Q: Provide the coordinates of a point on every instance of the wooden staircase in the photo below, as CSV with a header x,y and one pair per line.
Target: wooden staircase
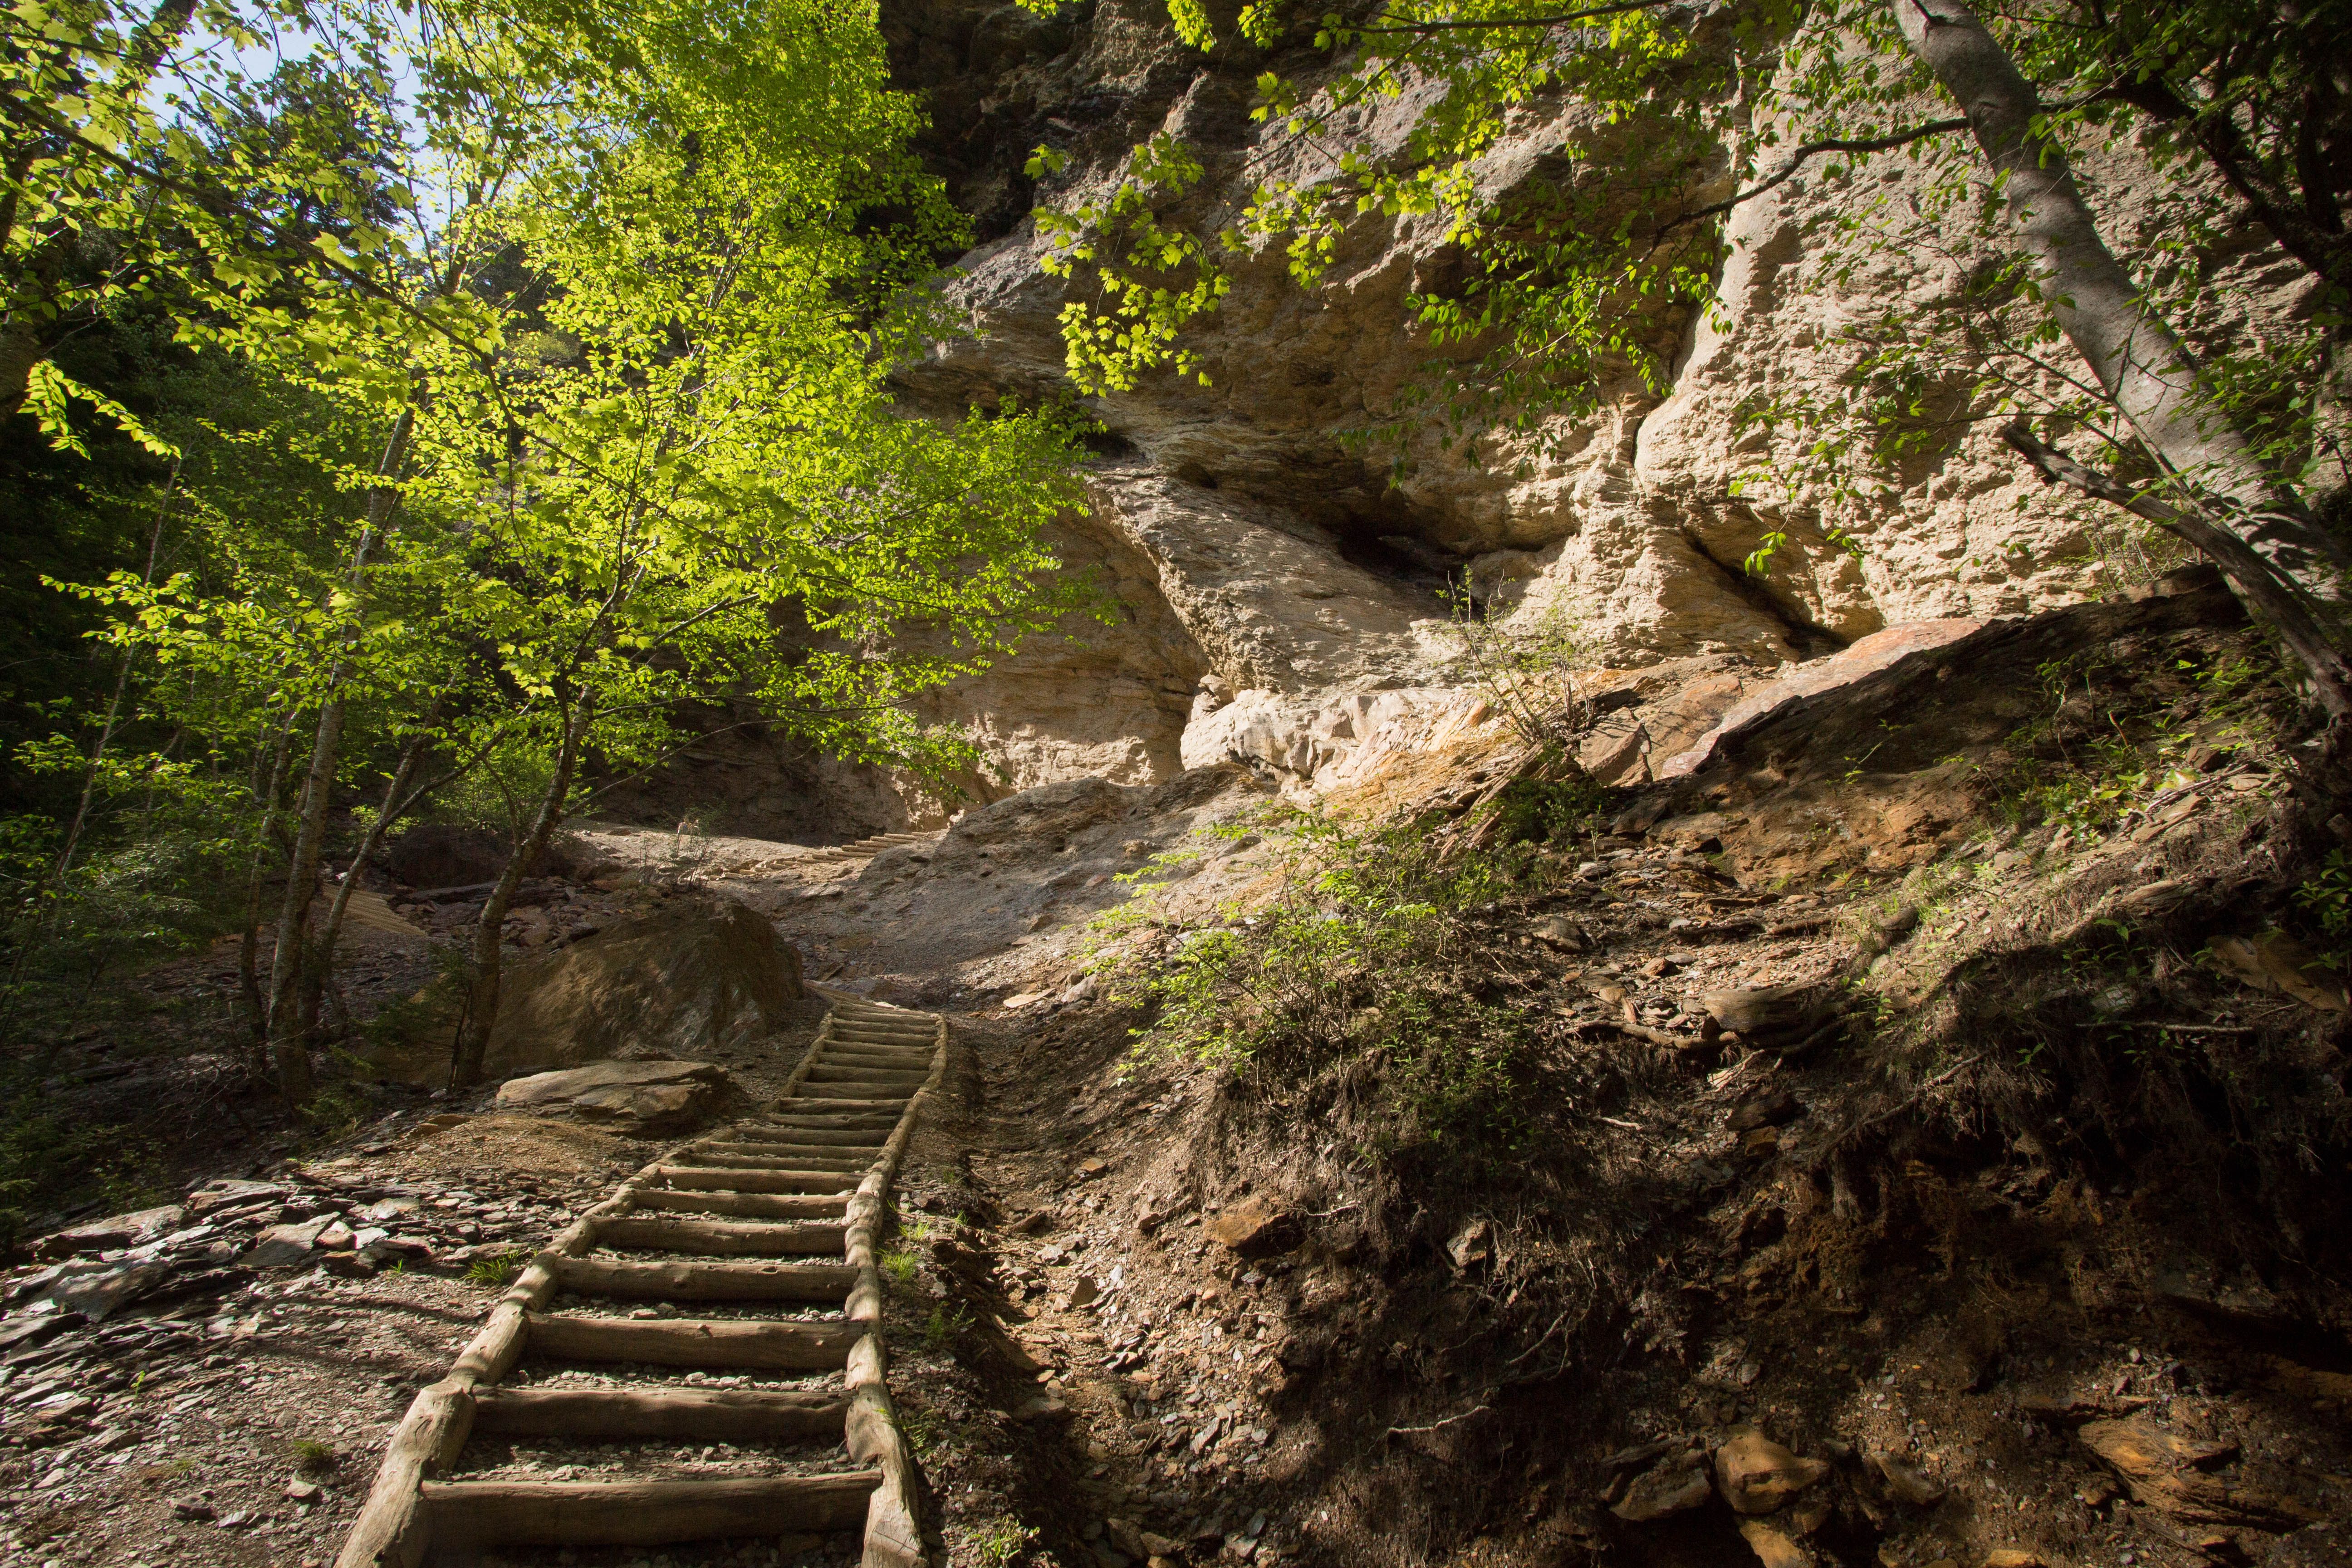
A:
x,y
800,1188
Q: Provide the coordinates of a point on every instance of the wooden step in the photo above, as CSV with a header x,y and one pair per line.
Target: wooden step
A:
x,y
851,1094
692,1342
886,1040
718,1237
718,1178
701,1414
745,1205
762,1157
811,1156
857,1053
867,1073
798,1118
642,1513
753,1131
706,1282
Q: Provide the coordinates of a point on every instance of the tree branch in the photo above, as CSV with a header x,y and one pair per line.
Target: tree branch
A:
x,y
1563,19
1810,151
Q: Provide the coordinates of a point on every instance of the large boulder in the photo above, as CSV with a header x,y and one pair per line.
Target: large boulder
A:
x,y
653,1097
694,977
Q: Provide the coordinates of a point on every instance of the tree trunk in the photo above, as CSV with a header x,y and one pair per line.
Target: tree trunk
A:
x,y
482,1002
290,1047
314,976
269,790
2138,362
121,685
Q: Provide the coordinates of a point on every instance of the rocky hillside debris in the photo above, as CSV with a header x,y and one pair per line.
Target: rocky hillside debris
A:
x,y
692,976
2274,962
241,1229
636,1097
2172,1473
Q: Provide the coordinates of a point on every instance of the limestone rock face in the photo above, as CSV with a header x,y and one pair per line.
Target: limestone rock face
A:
x,y
1270,583
681,980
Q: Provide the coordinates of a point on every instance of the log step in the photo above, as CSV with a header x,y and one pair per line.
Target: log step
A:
x,y
766,1157
706,1282
850,1139
722,1237
718,1178
799,1157
692,1342
745,1205
851,1094
859,1072
642,1513
722,1414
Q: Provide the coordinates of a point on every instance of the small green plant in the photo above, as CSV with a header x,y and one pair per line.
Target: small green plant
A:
x,y
495,1269
945,1325
2326,893
313,1457
335,1112
1519,664
926,1429
899,1267
1002,1542
1364,981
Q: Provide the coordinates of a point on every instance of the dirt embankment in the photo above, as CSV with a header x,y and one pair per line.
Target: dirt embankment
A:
x,y
2032,1256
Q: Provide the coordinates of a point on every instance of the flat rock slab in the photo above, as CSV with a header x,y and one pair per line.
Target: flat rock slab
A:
x,y
652,1096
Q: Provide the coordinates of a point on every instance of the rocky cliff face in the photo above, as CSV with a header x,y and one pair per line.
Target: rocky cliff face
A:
x,y
1273,588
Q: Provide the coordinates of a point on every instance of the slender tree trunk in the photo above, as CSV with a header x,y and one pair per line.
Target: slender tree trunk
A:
x,y
482,1002
2138,360
122,685
314,978
269,765
288,1047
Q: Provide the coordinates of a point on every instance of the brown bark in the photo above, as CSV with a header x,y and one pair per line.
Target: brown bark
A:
x,y
482,1001
290,1047
290,1043
397,800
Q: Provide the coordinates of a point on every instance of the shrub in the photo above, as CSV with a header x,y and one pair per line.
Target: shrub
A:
x,y
1363,987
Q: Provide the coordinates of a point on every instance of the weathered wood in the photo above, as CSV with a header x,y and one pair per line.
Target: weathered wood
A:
x,y
642,1513
839,1138
704,1414
775,1156
723,1238
849,1094
706,1281
391,1531
693,1342
746,1205
873,1124
872,1074
718,1178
